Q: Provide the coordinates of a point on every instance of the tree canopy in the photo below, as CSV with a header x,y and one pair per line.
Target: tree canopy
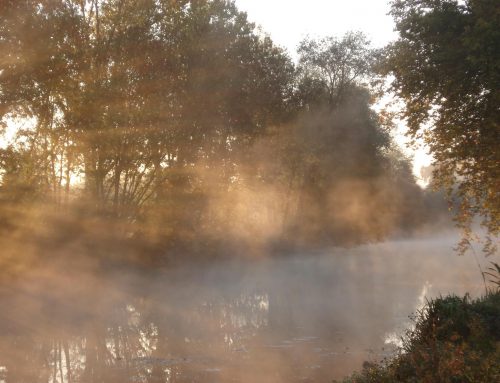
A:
x,y
446,68
179,121
335,65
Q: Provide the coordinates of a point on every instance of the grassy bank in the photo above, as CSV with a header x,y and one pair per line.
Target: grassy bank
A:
x,y
454,340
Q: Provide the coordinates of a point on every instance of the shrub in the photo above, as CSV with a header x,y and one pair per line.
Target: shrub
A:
x,y
454,340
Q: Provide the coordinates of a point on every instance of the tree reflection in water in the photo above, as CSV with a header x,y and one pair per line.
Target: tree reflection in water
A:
x,y
295,318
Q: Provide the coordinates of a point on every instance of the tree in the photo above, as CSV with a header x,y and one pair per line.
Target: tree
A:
x,y
339,164
152,114
127,90
140,109
446,68
331,66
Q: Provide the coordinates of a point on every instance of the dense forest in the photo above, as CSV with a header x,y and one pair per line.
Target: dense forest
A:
x,y
175,126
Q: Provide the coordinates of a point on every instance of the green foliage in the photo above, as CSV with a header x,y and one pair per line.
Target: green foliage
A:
x,y
454,340
446,67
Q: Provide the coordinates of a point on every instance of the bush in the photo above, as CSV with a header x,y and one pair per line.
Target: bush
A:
x,y
454,340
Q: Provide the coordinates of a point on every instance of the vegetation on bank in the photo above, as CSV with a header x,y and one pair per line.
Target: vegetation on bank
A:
x,y
454,340
177,128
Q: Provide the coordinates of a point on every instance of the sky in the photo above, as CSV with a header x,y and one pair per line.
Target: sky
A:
x,y
289,21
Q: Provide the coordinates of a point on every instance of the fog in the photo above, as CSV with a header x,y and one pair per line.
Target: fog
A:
x,y
183,202
307,316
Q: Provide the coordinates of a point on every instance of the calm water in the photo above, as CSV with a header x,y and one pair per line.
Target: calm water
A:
x,y
300,318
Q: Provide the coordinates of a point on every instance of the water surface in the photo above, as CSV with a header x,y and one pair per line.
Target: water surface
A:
x,y
308,317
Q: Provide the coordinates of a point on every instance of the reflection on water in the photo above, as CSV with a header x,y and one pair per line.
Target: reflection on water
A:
x,y
299,318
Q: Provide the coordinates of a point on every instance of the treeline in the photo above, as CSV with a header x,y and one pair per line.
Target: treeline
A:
x,y
176,124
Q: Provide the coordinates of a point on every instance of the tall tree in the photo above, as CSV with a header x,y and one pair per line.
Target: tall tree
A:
x,y
339,163
124,92
331,66
446,68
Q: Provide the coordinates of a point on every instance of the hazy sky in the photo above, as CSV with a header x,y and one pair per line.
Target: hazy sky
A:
x,y
289,21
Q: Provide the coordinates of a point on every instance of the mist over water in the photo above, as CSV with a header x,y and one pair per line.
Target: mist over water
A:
x,y
310,316
183,202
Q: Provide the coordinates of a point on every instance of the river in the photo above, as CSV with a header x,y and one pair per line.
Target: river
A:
x,y
303,317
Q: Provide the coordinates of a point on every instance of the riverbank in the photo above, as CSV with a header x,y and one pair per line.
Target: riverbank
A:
x,y
454,340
